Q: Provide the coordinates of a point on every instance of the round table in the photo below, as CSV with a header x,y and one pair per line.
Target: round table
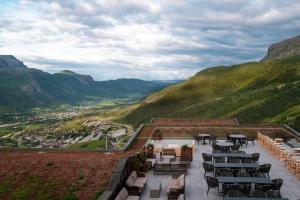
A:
x,y
225,146
238,137
203,136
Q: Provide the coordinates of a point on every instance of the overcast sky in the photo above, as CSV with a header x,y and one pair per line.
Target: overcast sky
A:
x,y
144,39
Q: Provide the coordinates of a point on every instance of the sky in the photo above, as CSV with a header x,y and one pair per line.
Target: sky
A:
x,y
145,39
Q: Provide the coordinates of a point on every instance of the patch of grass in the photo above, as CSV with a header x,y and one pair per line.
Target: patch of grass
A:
x,y
21,194
81,175
5,185
90,144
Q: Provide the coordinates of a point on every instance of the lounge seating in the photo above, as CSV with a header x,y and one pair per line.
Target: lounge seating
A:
x,y
135,184
170,168
124,195
180,197
176,187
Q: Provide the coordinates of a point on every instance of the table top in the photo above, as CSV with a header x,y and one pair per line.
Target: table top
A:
x,y
235,165
226,179
203,135
240,155
224,144
258,180
237,136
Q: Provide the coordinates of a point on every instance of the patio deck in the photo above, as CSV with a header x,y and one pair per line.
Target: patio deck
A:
x,y
196,187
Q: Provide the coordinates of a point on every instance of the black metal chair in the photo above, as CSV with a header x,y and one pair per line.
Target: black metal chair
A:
x,y
250,139
233,160
212,139
234,193
263,187
245,188
236,148
277,183
226,173
212,183
265,168
255,156
242,141
207,157
259,174
273,194
219,159
208,167
248,160
258,194
243,174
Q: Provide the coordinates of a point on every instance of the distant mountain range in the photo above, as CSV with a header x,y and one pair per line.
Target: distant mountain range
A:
x,y
24,88
256,92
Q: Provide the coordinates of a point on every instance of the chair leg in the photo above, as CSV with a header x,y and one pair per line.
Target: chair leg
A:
x,y
207,191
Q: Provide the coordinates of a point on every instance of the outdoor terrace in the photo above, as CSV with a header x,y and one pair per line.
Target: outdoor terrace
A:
x,y
196,186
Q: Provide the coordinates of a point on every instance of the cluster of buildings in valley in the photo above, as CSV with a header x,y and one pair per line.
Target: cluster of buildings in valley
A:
x,y
56,137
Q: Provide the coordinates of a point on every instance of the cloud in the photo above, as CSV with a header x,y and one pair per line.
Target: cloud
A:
x,y
147,39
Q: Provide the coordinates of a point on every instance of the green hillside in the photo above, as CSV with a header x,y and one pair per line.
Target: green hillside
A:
x,y
25,88
253,92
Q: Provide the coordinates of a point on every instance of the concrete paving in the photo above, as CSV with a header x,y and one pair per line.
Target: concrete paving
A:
x,y
196,186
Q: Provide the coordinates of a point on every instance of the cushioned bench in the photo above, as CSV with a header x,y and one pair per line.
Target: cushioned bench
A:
x,y
135,183
124,195
175,188
169,168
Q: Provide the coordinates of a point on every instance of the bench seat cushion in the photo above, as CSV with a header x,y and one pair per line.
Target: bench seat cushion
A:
x,y
140,182
180,197
131,197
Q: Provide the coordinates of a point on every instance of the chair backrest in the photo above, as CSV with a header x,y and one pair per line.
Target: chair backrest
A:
x,y
258,174
255,156
226,173
219,160
258,193
265,168
277,183
233,160
236,147
208,167
248,160
206,157
243,174
234,193
212,182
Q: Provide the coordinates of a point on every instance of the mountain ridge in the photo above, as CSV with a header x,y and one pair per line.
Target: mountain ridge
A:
x,y
23,87
283,49
10,62
253,92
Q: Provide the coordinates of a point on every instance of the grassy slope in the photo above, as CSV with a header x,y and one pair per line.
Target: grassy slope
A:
x,y
252,92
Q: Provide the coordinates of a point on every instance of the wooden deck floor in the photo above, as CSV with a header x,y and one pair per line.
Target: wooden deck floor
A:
x,y
196,186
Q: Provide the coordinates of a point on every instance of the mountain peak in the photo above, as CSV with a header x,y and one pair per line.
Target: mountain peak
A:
x,y
68,72
10,62
283,49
